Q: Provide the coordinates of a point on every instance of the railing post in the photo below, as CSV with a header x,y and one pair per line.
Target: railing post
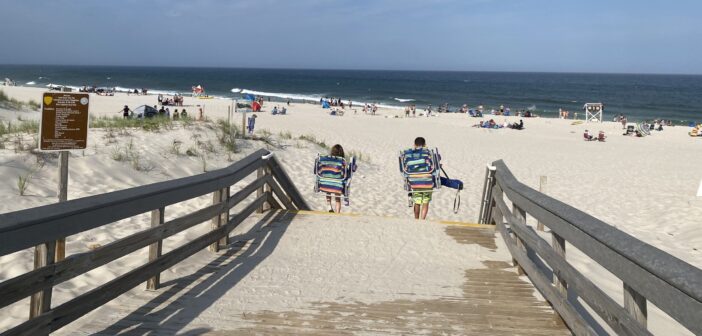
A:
x,y
40,302
635,304
521,217
261,172
498,217
216,220
226,193
542,189
558,245
487,203
267,188
155,249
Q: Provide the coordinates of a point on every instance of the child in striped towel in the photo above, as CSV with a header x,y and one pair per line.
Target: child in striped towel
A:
x,y
332,175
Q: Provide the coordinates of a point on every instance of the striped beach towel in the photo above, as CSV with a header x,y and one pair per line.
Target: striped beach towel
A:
x,y
331,172
419,168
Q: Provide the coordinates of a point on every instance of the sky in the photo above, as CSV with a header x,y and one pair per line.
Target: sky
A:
x,y
620,36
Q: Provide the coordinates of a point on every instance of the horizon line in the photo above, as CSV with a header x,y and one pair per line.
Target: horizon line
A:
x,y
348,69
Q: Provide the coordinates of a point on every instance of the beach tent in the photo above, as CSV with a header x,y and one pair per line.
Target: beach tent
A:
x,y
249,97
325,104
145,111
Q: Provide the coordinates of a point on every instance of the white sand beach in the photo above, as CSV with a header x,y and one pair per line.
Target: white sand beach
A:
x,y
646,187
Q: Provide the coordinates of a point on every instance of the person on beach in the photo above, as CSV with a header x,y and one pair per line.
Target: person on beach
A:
x,y
175,114
251,123
125,112
336,150
421,199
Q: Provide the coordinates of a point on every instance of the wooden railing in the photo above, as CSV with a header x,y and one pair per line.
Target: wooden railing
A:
x,y
647,273
41,227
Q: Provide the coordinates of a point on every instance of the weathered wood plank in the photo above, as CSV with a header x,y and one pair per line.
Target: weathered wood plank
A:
x,y
284,180
281,195
26,228
559,247
520,215
635,304
217,219
155,249
62,197
260,172
79,306
24,285
226,195
40,302
614,314
570,316
668,282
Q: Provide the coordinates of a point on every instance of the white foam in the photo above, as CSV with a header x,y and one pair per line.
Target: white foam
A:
x,y
32,83
148,91
280,95
402,100
313,97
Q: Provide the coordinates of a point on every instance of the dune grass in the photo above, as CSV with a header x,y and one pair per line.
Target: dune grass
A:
x,y
14,104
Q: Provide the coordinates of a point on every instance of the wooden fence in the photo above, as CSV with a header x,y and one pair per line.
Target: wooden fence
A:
x,y
647,273
41,227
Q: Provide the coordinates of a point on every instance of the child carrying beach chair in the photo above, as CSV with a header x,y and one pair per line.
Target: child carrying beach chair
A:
x,y
421,171
333,176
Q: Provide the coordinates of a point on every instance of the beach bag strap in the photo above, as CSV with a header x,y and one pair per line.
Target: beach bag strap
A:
x,y
457,202
457,198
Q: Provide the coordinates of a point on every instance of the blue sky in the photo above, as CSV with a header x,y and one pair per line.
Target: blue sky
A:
x,y
647,36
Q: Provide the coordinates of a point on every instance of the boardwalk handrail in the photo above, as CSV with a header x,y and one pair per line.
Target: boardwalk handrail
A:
x,y
42,226
647,273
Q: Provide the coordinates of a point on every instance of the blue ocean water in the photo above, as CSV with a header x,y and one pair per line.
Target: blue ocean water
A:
x,y
640,97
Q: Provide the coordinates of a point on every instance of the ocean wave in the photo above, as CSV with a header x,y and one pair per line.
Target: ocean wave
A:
x,y
148,91
31,83
308,97
279,94
401,100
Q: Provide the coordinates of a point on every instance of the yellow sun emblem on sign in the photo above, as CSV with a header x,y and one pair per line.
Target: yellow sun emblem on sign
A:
x,y
48,100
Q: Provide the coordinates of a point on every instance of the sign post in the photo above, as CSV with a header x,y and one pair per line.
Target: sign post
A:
x,y
64,126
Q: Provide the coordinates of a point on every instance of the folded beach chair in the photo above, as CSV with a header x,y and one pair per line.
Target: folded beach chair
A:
x,y
333,175
421,171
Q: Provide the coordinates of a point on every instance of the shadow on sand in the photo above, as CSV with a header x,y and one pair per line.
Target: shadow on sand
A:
x,y
179,303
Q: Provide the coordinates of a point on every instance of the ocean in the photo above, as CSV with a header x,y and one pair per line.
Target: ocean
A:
x,y
639,97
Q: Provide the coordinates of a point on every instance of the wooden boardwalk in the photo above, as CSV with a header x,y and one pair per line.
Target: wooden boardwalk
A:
x,y
228,293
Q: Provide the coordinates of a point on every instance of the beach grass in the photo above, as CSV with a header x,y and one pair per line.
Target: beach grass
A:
x,y
129,154
359,155
19,126
14,104
227,135
119,123
312,139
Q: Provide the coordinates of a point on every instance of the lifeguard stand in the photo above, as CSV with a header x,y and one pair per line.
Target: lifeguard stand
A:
x,y
593,112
